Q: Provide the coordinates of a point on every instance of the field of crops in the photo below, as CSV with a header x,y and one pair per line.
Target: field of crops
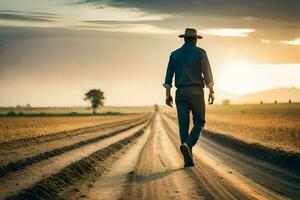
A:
x,y
14,128
79,110
271,125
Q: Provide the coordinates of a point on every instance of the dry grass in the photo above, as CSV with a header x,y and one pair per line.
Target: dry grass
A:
x,y
14,128
275,126
281,132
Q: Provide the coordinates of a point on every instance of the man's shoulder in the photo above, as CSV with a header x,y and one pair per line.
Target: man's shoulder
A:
x,y
201,50
176,51
180,51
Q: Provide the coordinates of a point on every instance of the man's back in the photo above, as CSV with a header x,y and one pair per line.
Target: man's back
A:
x,y
187,65
190,66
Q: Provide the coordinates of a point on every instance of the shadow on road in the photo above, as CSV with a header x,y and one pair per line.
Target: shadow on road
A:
x,y
155,176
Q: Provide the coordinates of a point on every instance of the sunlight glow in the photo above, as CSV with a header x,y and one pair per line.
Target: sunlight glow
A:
x,y
229,32
244,77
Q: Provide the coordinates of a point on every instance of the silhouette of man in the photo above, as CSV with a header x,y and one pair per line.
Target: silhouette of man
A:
x,y
192,72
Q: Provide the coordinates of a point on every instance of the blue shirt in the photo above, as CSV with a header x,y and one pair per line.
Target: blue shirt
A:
x,y
191,66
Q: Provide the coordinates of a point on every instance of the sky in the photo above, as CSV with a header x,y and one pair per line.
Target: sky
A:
x,y
52,52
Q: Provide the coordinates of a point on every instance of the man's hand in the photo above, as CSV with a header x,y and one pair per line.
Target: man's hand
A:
x,y
211,97
169,100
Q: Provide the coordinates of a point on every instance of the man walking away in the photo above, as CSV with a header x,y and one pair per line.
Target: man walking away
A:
x,y
192,72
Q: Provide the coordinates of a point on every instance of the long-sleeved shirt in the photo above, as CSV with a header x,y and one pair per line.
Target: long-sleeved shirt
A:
x,y
191,66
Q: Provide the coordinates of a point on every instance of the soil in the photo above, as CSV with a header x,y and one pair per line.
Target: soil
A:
x,y
143,161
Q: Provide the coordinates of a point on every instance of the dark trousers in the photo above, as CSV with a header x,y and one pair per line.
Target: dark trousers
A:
x,y
190,99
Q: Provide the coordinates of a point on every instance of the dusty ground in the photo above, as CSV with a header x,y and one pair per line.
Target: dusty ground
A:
x,y
140,160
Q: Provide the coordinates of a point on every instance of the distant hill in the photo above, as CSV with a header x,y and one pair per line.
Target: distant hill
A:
x,y
222,95
269,96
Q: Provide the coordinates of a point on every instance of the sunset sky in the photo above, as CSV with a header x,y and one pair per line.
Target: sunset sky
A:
x,y
52,52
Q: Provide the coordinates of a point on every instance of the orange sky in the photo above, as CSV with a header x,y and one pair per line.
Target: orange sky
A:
x,y
51,53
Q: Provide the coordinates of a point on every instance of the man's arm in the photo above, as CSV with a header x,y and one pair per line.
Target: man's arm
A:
x,y
168,82
208,77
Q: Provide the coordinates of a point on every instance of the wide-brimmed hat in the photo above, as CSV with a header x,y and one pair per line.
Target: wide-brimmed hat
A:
x,y
190,32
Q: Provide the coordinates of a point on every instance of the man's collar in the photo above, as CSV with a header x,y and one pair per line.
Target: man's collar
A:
x,y
187,44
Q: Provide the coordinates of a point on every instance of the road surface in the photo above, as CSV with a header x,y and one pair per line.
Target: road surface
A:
x,y
138,159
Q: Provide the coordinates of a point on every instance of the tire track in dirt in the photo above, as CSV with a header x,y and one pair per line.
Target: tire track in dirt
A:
x,y
159,173
55,148
28,142
263,180
207,179
111,183
223,180
53,172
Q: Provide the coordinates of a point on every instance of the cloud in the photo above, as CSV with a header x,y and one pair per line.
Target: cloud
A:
x,y
268,18
6,16
291,42
275,9
86,17
229,32
126,26
42,14
10,15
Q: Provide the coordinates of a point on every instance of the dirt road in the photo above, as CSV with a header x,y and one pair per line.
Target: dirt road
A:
x,y
140,160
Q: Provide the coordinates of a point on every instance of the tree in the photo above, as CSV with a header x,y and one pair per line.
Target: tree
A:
x,y
96,97
226,102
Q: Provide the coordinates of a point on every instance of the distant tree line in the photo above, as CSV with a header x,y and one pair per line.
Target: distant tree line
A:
x,y
276,102
228,102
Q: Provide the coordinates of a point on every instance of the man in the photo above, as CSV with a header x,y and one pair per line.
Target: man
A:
x,y
192,73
